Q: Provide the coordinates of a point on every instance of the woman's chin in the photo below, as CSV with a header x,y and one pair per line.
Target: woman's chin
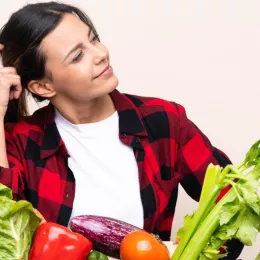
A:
x,y
105,88
110,85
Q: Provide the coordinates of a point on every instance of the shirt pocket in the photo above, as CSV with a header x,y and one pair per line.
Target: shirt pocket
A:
x,y
168,182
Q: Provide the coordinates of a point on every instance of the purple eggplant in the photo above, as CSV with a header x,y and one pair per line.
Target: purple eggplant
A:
x,y
105,233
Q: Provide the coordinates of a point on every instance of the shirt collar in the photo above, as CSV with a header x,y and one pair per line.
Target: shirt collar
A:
x,y
130,122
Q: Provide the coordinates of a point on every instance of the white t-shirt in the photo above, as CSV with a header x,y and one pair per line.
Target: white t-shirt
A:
x,y
105,170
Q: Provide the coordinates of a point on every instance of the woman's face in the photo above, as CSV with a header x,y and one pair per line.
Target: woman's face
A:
x,y
79,64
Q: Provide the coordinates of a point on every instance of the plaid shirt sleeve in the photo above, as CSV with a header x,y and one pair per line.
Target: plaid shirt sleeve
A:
x,y
13,177
195,153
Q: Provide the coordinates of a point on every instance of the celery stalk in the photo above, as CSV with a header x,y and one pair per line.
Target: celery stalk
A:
x,y
209,225
200,239
196,220
241,201
210,180
209,195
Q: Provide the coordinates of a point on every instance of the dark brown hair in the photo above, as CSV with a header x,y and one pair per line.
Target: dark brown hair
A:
x,y
22,36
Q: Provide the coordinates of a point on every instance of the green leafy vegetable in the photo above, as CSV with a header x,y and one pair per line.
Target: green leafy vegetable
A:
x,y
17,225
236,215
181,231
5,192
95,255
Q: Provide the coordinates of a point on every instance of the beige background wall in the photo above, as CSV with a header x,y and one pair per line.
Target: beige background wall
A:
x,y
204,54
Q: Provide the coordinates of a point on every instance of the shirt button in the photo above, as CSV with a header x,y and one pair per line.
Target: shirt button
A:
x,y
137,140
67,195
123,135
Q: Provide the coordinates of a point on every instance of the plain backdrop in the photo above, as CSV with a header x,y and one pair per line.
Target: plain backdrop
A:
x,y
203,54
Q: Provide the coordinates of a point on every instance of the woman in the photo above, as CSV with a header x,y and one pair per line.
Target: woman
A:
x,y
92,150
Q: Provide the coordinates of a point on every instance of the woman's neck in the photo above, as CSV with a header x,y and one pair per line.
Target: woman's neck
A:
x,y
89,112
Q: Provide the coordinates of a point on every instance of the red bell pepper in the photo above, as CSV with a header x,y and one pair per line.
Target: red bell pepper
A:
x,y
55,242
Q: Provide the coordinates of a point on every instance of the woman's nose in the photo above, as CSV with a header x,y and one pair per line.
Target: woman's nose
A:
x,y
100,54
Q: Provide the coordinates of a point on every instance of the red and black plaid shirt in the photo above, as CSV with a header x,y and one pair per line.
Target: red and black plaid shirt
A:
x,y
168,147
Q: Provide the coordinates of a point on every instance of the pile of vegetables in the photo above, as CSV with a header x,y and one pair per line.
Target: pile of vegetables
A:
x,y
236,215
119,239
25,236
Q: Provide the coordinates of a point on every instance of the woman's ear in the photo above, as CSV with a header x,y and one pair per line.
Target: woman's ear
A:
x,y
41,88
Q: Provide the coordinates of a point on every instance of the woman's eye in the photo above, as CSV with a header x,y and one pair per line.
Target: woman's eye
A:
x,y
95,38
78,57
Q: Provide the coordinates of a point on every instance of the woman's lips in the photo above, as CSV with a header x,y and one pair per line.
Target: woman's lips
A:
x,y
106,72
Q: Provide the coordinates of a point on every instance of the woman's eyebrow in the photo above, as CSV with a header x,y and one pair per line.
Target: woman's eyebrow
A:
x,y
78,46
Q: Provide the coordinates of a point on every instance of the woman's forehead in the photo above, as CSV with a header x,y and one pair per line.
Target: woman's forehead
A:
x,y
70,31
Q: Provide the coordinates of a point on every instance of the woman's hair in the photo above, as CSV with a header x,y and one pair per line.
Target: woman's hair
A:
x,y
22,36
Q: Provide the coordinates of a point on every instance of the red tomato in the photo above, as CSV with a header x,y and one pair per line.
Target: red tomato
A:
x,y
140,245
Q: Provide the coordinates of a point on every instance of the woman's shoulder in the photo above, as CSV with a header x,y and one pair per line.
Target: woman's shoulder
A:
x,y
156,103
28,123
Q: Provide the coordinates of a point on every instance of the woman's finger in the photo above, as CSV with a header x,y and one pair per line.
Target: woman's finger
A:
x,y
17,91
11,95
8,70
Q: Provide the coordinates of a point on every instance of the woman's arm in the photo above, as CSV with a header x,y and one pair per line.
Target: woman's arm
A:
x,y
195,153
11,166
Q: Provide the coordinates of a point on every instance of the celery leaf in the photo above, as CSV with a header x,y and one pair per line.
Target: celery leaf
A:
x,y
181,231
244,227
228,212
